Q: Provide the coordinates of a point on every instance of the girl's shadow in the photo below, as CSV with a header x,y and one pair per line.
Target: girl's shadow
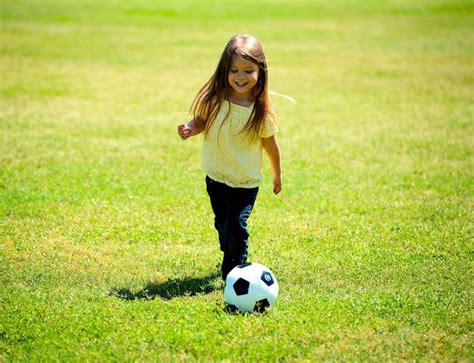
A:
x,y
170,289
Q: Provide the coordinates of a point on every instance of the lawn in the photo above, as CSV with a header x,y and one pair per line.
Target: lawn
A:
x,y
107,248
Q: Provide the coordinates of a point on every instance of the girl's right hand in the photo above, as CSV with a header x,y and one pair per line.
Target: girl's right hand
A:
x,y
184,131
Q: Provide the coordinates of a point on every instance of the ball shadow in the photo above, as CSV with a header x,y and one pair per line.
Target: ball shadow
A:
x,y
170,289
233,310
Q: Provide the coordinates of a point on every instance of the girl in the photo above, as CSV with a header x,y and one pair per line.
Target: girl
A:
x,y
234,113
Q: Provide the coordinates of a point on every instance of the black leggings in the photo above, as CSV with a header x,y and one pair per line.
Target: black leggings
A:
x,y
232,208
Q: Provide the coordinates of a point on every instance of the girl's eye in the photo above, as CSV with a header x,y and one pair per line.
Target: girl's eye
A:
x,y
236,71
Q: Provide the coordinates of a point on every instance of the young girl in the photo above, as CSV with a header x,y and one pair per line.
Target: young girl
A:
x,y
234,113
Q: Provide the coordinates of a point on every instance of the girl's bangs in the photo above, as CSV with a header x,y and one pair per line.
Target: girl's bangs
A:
x,y
246,53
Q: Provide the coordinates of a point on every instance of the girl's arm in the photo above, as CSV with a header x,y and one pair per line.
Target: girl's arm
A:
x,y
272,149
191,129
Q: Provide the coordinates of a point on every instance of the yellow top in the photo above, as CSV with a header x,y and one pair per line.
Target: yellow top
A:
x,y
231,157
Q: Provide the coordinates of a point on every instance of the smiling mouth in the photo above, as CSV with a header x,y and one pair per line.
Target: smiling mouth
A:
x,y
241,84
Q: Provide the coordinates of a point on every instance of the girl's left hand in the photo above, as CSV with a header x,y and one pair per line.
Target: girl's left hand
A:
x,y
276,185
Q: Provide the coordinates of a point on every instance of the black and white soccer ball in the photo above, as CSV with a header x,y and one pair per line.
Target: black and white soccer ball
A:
x,y
251,287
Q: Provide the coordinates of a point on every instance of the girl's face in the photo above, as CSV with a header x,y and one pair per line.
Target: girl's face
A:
x,y
242,77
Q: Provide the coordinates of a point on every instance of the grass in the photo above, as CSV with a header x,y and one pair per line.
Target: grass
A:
x,y
107,246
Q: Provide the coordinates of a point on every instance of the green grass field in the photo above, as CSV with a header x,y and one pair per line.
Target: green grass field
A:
x,y
108,251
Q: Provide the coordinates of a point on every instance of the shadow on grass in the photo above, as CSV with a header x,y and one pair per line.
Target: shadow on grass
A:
x,y
169,289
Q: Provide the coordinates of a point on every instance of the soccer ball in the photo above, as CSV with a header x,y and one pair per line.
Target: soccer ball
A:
x,y
251,287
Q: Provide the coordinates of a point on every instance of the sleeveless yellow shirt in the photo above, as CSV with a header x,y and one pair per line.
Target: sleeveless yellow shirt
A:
x,y
228,155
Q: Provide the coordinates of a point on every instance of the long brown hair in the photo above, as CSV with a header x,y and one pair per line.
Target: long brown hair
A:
x,y
208,101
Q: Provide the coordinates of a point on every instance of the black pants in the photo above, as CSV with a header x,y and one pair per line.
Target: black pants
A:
x,y
232,208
